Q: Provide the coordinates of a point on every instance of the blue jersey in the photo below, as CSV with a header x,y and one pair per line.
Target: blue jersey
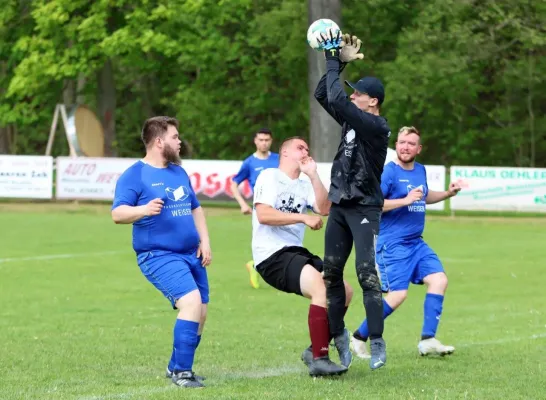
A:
x,y
252,166
174,228
408,222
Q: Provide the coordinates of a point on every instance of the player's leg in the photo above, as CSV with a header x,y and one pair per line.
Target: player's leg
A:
x,y
307,355
431,272
254,276
395,269
337,248
292,270
172,276
364,224
312,286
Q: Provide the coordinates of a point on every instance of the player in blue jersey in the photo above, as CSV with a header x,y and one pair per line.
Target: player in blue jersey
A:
x,y
170,238
252,166
403,257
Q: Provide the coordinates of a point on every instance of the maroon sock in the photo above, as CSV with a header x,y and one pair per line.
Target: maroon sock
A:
x,y
319,330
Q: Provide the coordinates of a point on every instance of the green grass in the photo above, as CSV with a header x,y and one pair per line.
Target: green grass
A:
x,y
91,327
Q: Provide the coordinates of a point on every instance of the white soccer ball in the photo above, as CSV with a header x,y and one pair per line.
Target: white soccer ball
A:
x,y
322,25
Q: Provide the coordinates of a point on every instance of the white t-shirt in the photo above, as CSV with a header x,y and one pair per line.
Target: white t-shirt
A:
x,y
274,188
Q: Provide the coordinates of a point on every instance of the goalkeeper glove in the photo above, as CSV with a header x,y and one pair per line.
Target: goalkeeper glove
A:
x,y
350,47
331,43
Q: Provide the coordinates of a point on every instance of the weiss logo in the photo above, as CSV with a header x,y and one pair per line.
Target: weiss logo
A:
x,y
179,194
157,184
349,142
417,206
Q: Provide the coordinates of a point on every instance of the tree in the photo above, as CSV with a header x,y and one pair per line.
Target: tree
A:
x,y
324,130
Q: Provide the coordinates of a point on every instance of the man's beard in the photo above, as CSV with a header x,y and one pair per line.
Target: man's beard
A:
x,y
171,155
406,160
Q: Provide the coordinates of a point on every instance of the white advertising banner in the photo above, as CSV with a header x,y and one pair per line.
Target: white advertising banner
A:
x,y
26,177
95,178
436,180
88,178
500,189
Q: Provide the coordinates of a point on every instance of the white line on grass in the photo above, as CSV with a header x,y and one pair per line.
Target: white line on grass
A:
x,y
273,372
56,256
256,374
505,340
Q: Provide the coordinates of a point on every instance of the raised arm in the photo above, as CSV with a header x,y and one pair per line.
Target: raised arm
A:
x,y
322,97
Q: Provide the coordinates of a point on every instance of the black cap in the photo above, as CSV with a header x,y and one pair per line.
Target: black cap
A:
x,y
371,86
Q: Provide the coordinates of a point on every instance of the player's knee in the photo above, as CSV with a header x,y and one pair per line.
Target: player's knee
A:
x,y
190,304
312,285
438,282
367,277
333,274
348,293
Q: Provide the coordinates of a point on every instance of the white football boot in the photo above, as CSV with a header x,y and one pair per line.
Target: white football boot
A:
x,y
360,348
433,346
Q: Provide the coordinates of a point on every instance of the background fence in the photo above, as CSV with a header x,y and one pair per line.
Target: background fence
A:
x,y
67,178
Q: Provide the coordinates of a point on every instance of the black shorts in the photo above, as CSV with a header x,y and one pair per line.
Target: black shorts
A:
x,y
282,269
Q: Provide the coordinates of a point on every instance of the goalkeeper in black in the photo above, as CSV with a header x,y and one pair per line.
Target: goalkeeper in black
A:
x,y
355,191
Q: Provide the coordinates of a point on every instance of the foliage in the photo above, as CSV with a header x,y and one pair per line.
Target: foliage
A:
x,y
470,74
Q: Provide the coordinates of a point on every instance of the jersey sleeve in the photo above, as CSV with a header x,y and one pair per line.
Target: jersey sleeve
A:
x,y
265,190
243,174
386,182
127,189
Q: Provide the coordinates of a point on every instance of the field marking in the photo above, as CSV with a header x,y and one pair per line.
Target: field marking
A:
x,y
58,256
273,372
505,340
255,374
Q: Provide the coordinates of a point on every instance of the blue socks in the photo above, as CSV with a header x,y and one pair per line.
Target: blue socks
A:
x,y
185,343
433,311
172,362
363,329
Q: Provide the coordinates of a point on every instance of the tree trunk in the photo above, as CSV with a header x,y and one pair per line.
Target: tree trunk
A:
x,y
106,101
5,140
325,132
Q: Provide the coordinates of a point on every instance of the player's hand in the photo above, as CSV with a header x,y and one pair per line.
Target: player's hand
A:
x,y
350,48
331,43
204,253
414,195
453,189
308,166
153,207
313,221
245,209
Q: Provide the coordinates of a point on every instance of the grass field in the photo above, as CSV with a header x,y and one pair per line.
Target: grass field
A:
x,y
78,321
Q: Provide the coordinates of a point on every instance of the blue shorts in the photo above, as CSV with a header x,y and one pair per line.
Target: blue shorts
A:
x,y
174,274
406,262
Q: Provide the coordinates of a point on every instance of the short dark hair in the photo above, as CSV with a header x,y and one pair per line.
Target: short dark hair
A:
x,y
287,141
264,131
155,127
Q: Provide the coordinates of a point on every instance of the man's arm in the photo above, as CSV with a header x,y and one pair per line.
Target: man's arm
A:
x,y
128,214
126,194
201,224
239,197
268,215
436,197
362,122
322,97
241,176
322,204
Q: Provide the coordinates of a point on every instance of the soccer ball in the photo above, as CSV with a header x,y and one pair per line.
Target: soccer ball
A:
x,y
322,25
